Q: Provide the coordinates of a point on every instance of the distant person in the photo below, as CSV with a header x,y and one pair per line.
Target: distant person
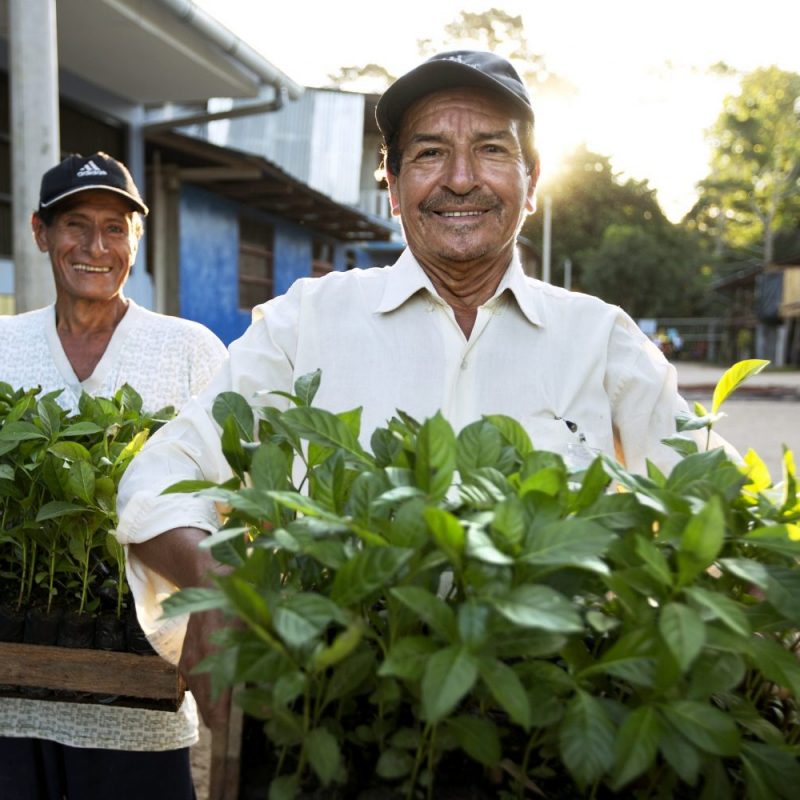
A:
x,y
454,325
93,339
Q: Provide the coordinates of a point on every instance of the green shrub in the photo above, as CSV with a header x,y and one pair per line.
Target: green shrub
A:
x,y
452,599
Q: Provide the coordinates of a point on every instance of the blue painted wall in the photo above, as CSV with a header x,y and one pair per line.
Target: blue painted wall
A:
x,y
209,256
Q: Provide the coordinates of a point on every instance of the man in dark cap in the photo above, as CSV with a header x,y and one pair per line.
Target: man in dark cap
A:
x,y
94,339
454,326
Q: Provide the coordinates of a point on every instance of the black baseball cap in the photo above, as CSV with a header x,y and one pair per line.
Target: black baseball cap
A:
x,y
77,173
449,71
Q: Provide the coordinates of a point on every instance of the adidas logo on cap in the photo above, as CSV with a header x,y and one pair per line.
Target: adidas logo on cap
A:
x,y
89,169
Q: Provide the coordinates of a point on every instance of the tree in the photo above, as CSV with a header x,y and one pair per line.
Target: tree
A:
x,y
504,34
370,78
651,271
587,196
753,189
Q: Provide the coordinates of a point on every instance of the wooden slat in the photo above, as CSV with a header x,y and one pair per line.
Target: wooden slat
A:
x,y
96,671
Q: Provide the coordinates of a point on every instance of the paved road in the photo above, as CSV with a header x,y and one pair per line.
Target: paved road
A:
x,y
764,414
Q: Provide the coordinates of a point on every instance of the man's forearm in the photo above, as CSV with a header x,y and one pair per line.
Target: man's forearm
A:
x,y
177,556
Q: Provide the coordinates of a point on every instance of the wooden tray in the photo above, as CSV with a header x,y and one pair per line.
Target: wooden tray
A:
x,y
97,675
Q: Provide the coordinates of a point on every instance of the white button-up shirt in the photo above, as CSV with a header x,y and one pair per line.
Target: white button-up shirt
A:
x,y
385,340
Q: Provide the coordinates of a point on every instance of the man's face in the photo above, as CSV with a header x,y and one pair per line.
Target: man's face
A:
x,y
92,245
463,186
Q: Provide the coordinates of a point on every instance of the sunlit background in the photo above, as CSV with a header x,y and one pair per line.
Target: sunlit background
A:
x,y
637,81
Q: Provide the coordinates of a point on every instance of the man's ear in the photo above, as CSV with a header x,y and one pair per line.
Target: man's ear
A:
x,y
39,230
394,196
530,196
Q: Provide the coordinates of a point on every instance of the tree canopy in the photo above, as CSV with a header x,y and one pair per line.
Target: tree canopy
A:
x,y
752,193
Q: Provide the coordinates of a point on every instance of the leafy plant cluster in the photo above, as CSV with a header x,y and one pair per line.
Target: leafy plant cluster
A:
x,y
463,606
59,474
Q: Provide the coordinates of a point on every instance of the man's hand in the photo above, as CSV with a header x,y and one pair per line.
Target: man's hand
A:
x,y
196,646
176,555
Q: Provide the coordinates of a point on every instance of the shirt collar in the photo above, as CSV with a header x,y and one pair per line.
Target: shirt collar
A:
x,y
407,277
404,279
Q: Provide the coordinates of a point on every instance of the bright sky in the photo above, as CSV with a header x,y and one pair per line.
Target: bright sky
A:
x,y
643,95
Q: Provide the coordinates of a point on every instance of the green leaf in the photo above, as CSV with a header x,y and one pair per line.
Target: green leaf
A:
x,y
80,481
512,432
655,561
188,601
13,432
539,607
284,787
232,447
367,572
436,457
770,772
447,533
70,451
82,428
481,548
58,508
683,632
326,429
720,607
432,610
747,570
568,543
586,739
298,618
323,754
249,604
230,405
479,445
507,689
449,675
636,745
733,377
306,386
777,663
341,647
407,658
393,764
701,541
349,675
270,467
477,737
708,728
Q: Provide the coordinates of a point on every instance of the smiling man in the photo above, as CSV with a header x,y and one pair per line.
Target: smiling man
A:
x,y
454,326
94,339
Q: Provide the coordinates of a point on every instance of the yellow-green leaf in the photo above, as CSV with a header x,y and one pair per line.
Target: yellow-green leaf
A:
x,y
734,376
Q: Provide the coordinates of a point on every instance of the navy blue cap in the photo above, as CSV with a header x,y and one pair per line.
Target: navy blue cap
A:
x,y
77,173
449,71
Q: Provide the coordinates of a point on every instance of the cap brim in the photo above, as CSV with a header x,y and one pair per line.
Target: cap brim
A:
x,y
137,204
432,76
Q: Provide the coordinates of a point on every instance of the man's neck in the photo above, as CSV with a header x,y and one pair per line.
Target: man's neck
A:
x,y
465,286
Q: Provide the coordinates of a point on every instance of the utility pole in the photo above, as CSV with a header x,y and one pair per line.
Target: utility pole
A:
x,y
546,225
34,138
568,273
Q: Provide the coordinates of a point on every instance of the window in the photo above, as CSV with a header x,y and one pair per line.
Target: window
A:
x,y
321,258
256,241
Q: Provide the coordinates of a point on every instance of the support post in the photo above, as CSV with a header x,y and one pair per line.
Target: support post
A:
x,y
547,223
34,136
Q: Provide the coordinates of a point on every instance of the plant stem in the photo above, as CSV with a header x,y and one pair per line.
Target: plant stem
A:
x,y
431,751
417,762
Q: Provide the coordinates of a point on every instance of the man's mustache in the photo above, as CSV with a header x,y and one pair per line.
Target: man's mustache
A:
x,y
449,201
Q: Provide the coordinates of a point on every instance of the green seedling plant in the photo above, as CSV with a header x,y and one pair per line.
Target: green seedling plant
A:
x,y
59,474
446,607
